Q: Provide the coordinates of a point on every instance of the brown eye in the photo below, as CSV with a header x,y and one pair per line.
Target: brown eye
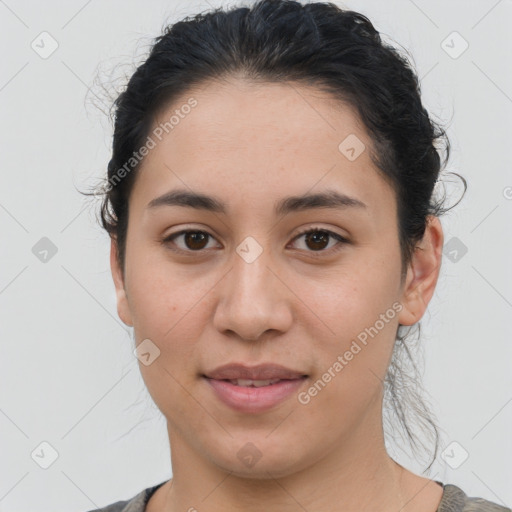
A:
x,y
317,240
192,240
195,239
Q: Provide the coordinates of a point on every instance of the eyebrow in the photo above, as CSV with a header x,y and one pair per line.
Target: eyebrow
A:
x,y
327,199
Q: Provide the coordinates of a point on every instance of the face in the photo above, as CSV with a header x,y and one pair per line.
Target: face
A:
x,y
234,279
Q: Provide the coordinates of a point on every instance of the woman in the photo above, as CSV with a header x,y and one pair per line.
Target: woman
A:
x,y
271,207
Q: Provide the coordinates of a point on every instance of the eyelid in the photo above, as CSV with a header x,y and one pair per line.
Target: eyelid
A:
x,y
169,238
313,229
342,240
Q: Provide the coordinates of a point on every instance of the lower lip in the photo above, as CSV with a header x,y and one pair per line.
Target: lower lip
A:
x,y
252,399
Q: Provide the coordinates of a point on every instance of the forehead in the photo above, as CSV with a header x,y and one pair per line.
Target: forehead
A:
x,y
237,113
252,143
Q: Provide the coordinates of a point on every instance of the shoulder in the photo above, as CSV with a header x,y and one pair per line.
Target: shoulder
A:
x,y
135,504
456,500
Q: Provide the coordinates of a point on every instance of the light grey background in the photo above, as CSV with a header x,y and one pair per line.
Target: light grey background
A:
x,y
68,374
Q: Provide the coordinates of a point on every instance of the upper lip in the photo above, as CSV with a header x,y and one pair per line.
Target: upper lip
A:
x,y
265,371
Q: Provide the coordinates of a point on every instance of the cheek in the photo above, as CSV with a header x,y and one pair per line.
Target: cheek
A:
x,y
171,309
346,302
359,317
159,296
172,316
352,364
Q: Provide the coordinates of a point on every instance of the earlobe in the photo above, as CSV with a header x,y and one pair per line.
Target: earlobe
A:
x,y
422,273
123,309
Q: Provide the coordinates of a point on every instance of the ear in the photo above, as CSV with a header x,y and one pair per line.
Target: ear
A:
x,y
422,273
123,308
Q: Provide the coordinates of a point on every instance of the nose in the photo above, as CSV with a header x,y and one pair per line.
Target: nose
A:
x,y
253,299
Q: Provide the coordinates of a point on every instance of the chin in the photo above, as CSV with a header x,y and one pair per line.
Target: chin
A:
x,y
259,459
260,471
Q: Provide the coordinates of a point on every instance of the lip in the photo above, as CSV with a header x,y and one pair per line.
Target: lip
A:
x,y
253,400
264,371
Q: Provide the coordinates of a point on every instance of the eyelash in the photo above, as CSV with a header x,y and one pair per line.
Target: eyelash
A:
x,y
339,246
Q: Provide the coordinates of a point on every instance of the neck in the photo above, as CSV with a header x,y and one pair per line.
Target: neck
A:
x,y
357,475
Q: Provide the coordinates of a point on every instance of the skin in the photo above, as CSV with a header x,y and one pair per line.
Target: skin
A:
x,y
250,145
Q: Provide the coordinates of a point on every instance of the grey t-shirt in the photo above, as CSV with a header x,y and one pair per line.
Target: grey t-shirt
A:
x,y
454,499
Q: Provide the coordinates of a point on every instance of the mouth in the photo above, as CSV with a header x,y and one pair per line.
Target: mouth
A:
x,y
262,374
251,383
254,396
